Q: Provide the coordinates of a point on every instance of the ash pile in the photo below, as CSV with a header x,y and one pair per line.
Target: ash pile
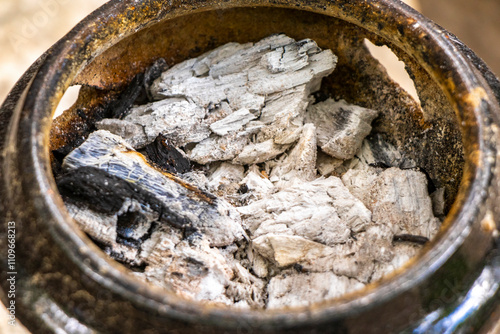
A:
x,y
235,185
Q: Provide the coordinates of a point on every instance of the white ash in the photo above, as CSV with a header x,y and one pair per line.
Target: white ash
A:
x,y
226,178
300,163
290,289
257,184
197,271
260,152
237,102
177,119
327,165
233,122
402,254
306,209
194,270
102,228
285,250
96,225
374,152
397,198
341,126
217,148
283,115
131,132
322,210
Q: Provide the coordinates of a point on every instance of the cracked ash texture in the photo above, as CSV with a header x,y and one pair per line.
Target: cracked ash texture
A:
x,y
286,203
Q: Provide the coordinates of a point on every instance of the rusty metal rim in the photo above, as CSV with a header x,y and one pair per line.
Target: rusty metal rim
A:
x,y
93,35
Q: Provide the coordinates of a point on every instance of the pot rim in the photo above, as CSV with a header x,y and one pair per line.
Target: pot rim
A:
x,y
422,39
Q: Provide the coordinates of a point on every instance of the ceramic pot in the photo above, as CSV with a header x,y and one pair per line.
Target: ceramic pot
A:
x,y
64,282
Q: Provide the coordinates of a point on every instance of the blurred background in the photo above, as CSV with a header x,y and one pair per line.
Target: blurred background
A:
x,y
29,27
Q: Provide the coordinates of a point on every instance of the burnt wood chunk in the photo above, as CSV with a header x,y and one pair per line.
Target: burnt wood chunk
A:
x,y
137,90
418,239
166,156
106,193
131,177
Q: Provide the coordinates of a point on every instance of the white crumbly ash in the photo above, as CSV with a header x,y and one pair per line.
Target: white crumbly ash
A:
x,y
341,127
244,103
303,210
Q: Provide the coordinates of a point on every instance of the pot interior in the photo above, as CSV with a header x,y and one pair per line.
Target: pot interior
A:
x,y
426,132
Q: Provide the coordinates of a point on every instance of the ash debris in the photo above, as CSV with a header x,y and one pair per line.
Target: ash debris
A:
x,y
234,187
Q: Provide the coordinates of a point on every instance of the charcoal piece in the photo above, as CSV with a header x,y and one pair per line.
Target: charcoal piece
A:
x,y
166,156
71,130
106,193
418,239
138,86
386,155
126,99
133,227
128,222
181,202
152,73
